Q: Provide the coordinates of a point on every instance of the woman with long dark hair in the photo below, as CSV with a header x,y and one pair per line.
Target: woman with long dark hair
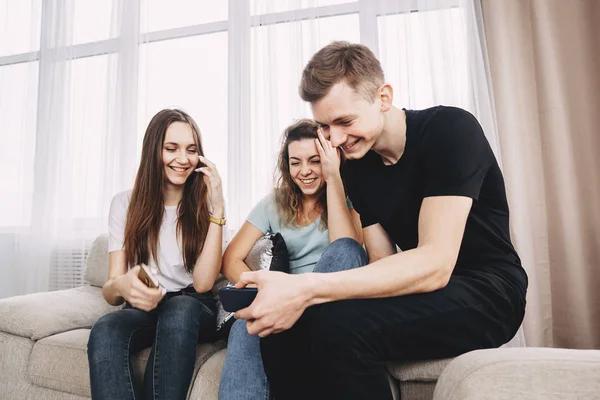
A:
x,y
170,226
309,209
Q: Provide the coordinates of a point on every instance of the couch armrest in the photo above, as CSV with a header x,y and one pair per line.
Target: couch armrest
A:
x,y
521,373
40,315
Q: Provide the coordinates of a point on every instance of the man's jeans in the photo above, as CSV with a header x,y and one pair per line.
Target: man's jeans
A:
x,y
243,376
181,320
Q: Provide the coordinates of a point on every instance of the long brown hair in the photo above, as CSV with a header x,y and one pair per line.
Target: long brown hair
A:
x,y
146,207
288,196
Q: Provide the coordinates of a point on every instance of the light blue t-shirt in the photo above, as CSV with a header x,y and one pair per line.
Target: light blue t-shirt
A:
x,y
305,244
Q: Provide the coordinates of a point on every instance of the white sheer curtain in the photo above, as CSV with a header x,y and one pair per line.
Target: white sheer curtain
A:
x,y
274,40
74,152
431,51
73,140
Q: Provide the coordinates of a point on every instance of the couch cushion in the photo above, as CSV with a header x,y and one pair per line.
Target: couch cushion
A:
x,y
206,384
425,371
60,361
521,373
14,357
269,252
96,264
39,315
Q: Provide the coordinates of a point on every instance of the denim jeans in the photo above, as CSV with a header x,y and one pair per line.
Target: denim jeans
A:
x,y
243,376
180,321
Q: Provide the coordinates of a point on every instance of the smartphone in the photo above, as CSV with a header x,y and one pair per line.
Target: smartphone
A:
x,y
234,299
145,276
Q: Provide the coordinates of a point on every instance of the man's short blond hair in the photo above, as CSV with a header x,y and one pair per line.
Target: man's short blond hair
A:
x,y
341,61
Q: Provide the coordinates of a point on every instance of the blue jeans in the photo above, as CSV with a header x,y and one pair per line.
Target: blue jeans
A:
x,y
180,321
243,376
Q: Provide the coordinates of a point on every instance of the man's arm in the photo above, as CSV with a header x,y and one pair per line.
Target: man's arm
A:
x,y
283,298
426,268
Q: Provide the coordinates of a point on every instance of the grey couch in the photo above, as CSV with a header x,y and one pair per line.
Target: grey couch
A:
x,y
43,342
522,374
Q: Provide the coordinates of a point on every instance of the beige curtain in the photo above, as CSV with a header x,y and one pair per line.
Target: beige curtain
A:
x,y
544,59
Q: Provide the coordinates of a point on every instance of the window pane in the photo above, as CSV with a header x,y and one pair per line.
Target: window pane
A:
x,y
87,127
18,104
92,20
160,14
178,73
278,54
424,56
20,23
258,7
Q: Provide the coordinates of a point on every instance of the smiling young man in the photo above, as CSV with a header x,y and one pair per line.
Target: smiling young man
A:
x,y
426,181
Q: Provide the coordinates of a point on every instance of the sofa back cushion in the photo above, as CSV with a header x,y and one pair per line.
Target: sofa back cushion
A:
x,y
269,252
96,264
39,315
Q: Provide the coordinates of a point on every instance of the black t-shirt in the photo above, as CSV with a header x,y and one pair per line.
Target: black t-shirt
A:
x,y
446,154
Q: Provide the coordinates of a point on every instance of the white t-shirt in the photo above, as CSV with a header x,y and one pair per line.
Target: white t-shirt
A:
x,y
172,274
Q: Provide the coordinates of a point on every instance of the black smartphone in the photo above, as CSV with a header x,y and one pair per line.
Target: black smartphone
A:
x,y
234,299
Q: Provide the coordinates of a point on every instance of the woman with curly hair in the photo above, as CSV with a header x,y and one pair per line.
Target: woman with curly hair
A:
x,y
308,207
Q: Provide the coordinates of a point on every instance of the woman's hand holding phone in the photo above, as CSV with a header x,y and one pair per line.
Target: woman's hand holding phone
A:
x,y
132,289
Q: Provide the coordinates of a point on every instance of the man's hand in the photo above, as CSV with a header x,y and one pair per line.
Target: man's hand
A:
x,y
281,300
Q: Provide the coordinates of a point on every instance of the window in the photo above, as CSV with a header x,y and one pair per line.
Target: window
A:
x,y
258,7
183,60
157,15
91,21
188,73
88,128
424,56
20,23
279,51
18,100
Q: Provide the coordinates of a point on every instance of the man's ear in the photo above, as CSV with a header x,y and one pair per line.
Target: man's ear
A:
x,y
386,95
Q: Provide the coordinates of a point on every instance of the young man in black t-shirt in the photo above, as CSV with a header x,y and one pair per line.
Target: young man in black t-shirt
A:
x,y
425,181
